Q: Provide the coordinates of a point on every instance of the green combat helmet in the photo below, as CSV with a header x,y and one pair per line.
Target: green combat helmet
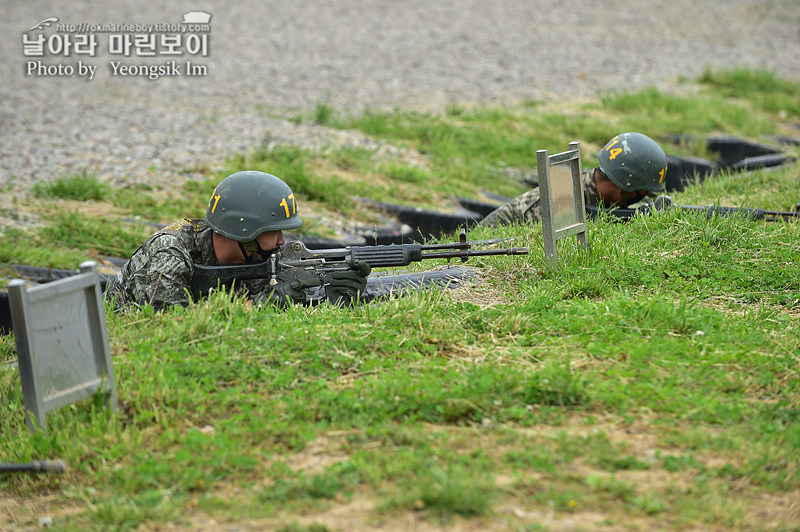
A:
x,y
246,204
633,161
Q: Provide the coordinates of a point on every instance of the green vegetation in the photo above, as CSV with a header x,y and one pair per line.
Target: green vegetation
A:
x,y
761,88
651,382
80,187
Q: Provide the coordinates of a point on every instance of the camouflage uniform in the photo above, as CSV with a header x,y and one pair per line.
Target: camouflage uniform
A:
x,y
528,208
159,273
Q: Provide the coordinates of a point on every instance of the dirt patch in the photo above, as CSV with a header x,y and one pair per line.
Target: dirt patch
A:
x,y
317,455
359,514
32,513
481,293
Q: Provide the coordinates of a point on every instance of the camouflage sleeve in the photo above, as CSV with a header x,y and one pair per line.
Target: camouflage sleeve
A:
x,y
524,208
161,277
591,197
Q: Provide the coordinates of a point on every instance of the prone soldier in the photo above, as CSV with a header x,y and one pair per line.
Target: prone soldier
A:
x,y
632,168
244,224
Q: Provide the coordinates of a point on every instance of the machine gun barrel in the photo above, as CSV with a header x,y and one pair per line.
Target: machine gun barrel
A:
x,y
709,210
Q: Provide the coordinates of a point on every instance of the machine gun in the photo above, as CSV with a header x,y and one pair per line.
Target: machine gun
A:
x,y
710,211
296,262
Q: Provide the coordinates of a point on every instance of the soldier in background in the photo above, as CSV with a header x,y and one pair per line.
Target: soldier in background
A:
x,y
244,223
632,169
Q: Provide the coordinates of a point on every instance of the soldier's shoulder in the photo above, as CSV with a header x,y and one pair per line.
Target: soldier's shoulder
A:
x,y
528,197
194,225
178,235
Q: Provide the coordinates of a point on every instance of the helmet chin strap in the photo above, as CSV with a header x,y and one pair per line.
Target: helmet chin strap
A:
x,y
254,249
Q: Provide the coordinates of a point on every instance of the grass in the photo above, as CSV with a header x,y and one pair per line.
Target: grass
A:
x,y
651,382
81,187
765,90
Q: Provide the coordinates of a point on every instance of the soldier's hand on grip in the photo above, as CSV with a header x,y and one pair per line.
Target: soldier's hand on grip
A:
x,y
346,286
286,293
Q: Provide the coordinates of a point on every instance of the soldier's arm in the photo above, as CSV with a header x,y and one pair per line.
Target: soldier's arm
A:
x,y
164,280
524,208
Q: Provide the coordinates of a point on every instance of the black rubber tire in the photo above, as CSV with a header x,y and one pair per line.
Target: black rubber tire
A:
x,y
481,207
387,286
683,171
736,153
762,161
732,150
789,141
381,287
429,223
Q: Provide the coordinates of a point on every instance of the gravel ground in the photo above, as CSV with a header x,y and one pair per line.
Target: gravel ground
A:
x,y
269,60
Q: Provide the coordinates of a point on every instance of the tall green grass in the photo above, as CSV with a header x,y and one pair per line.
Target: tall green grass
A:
x,y
762,88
